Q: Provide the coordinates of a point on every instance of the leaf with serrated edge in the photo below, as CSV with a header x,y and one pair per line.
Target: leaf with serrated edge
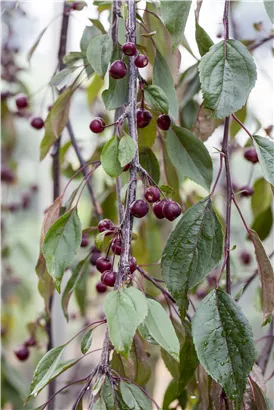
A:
x,y
110,157
86,341
203,40
134,397
265,151
193,249
126,150
99,53
174,16
125,310
224,343
227,81
156,98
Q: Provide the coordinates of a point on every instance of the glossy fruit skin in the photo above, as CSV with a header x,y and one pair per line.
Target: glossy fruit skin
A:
x,y
129,49
245,257
118,70
100,287
157,208
97,125
143,118
139,208
95,254
152,194
116,246
132,264
103,264
85,241
30,342
171,210
37,123
106,225
141,61
22,353
21,101
247,191
251,155
108,278
164,122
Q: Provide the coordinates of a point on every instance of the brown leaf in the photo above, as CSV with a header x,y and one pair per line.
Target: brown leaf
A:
x,y
205,125
51,215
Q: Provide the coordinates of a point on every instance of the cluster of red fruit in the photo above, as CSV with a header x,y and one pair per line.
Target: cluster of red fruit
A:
x,y
22,102
22,351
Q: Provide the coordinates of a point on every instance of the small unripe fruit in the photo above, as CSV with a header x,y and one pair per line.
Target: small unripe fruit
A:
x,y
152,194
116,246
30,342
141,61
171,210
100,287
245,257
108,278
85,241
103,264
21,101
37,123
132,264
143,118
164,122
97,125
118,69
157,208
247,191
22,353
251,155
129,49
106,225
139,208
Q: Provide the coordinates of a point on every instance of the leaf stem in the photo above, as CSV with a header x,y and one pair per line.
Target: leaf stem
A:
x,y
242,125
218,175
261,42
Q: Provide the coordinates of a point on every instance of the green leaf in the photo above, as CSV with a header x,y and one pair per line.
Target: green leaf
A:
x,y
156,98
267,277
76,276
262,189
88,34
99,404
72,57
188,358
126,150
99,53
173,393
203,40
94,88
234,125
125,310
265,151
98,24
223,341
227,81
86,341
133,397
174,15
147,135
163,78
62,78
189,84
161,329
144,332
262,224
193,249
167,190
33,48
110,157
81,291
189,156
61,244
107,394
269,8
149,161
102,240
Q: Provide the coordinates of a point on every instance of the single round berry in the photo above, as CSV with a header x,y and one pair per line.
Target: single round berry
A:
x,y
25,201
7,175
164,122
116,246
246,191
143,118
106,225
37,123
157,208
30,342
245,257
108,278
201,294
152,194
129,49
251,155
21,101
84,241
22,353
34,188
141,61
132,264
126,168
95,255
139,208
100,287
171,210
97,125
103,264
118,69
4,95
78,5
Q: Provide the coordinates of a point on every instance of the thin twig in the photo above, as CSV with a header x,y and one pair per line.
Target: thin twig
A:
x,y
242,125
266,350
156,284
261,42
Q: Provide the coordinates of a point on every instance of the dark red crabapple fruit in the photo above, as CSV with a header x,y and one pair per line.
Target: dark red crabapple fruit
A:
x,y
171,210
78,5
108,278
106,225
152,194
247,191
100,287
21,352
164,122
157,208
118,69
129,49
126,168
30,342
37,123
21,101
85,241
25,201
139,208
245,257
7,175
132,264
141,61
97,125
116,246
95,254
103,264
251,155
143,118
